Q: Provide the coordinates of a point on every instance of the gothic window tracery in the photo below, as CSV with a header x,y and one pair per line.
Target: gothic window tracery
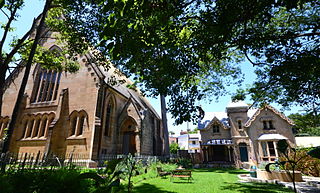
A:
x,y
46,85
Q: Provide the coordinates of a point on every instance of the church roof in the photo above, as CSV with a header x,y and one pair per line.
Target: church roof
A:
x,y
116,80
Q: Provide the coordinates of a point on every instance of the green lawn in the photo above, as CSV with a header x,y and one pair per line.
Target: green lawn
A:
x,y
205,181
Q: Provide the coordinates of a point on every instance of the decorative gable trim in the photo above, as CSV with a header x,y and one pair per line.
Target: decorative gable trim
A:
x,y
257,113
215,120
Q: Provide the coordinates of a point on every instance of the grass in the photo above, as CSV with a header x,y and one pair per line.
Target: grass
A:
x,y
206,181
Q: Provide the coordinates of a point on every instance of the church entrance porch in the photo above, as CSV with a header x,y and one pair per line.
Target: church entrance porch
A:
x,y
218,151
130,139
129,143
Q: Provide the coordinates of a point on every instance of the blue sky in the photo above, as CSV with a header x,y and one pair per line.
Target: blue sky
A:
x,y
33,8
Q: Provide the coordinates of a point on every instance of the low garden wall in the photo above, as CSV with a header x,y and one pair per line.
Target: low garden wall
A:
x,y
279,175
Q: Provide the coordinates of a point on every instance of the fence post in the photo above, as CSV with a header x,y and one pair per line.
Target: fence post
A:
x,y
36,161
24,160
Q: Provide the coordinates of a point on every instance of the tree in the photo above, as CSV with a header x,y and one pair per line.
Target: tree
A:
x,y
174,147
162,46
188,50
193,131
280,38
306,123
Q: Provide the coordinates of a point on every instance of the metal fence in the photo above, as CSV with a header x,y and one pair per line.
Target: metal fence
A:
x,y
41,160
143,158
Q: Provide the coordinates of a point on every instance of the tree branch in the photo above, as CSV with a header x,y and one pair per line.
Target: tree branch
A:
x,y
6,30
20,42
5,14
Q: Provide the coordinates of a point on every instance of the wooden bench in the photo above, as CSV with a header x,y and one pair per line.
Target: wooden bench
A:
x,y
181,174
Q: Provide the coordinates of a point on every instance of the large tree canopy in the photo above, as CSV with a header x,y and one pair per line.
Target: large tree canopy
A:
x,y
189,49
306,124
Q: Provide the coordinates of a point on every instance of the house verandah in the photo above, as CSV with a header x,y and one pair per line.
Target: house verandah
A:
x,y
218,151
223,152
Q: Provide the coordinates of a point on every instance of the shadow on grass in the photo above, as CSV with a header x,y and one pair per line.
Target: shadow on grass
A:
x,y
222,170
145,187
255,188
181,181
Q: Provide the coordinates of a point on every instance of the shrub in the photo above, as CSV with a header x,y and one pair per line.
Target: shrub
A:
x,y
174,147
184,162
49,181
307,165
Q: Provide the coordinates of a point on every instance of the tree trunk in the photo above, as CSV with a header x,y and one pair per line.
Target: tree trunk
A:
x,y
3,70
164,124
24,80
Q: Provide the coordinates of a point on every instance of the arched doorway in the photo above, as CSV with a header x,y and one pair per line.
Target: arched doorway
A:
x,y
243,152
129,135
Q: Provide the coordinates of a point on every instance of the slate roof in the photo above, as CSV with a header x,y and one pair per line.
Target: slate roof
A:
x,y
210,116
252,115
117,81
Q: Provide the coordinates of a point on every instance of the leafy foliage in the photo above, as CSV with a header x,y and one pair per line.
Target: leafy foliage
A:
x,y
162,46
308,165
188,49
174,147
128,168
283,39
306,123
51,181
184,162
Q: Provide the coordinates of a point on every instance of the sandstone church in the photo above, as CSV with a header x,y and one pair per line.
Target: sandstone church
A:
x,y
80,112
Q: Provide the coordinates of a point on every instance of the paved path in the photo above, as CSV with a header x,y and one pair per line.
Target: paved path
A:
x,y
310,184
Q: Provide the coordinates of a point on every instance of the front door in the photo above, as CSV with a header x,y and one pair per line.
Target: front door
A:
x,y
243,152
129,143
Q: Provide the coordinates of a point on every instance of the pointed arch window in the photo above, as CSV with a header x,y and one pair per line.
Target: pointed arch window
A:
x,y
109,112
77,123
29,127
46,85
34,127
43,127
81,124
